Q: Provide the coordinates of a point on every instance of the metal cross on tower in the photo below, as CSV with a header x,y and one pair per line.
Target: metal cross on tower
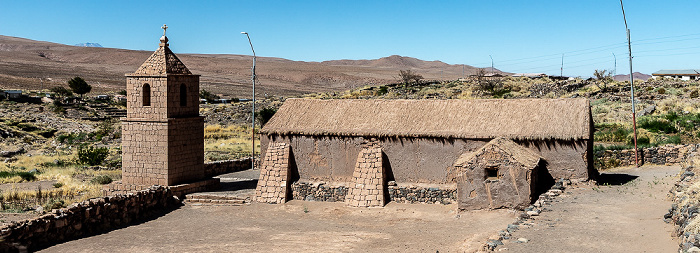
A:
x,y
164,27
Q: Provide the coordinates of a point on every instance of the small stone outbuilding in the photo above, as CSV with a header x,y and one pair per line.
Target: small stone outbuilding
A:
x,y
501,174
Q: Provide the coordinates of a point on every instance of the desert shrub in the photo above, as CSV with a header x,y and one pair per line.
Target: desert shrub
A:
x,y
57,185
661,90
92,156
72,138
382,90
54,204
265,114
105,128
693,94
102,179
611,133
657,125
27,127
673,139
611,147
641,141
210,97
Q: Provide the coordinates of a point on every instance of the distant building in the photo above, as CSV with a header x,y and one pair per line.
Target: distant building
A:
x,y
530,75
683,74
102,97
13,94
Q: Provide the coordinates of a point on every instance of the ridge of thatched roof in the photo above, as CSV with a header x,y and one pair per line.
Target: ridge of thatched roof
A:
x,y
567,119
523,155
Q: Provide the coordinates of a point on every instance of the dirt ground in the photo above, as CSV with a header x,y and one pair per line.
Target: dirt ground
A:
x,y
299,226
624,216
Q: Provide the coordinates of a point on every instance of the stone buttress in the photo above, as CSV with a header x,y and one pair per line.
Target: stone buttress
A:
x,y
274,183
369,185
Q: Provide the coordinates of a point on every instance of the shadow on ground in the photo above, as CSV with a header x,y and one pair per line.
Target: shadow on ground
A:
x,y
238,185
615,178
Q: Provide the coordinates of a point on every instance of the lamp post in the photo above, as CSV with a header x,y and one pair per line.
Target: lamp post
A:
x,y
634,112
252,161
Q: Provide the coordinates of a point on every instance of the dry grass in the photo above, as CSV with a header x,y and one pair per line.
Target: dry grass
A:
x,y
227,142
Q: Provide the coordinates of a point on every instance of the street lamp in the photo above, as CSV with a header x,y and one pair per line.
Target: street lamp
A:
x,y
252,119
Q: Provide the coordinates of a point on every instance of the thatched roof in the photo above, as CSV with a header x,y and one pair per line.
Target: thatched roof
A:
x,y
523,155
567,119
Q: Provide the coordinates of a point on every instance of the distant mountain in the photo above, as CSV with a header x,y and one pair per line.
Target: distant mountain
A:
x,y
404,62
88,44
636,75
28,64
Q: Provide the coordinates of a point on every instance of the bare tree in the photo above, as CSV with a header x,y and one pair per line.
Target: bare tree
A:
x,y
604,77
409,77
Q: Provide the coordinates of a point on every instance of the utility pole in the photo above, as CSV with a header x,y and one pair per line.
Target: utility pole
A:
x,y
615,69
252,161
634,113
491,65
561,70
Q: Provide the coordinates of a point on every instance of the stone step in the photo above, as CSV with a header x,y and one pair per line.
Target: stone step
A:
x,y
216,199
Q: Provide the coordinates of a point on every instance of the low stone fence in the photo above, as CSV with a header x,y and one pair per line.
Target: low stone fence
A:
x,y
318,191
227,166
684,211
664,155
86,218
400,193
422,194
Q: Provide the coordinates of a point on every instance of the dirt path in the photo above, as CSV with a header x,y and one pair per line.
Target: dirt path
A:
x,y
299,226
625,216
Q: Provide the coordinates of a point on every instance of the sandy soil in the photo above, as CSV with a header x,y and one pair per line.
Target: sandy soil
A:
x,y
625,216
299,226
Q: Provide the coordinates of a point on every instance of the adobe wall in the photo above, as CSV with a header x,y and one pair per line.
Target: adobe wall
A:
x,y
410,160
513,186
420,160
564,159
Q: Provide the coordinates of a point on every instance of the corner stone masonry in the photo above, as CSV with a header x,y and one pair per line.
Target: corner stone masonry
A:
x,y
274,175
368,189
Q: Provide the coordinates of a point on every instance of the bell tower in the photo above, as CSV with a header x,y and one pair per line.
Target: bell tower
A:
x,y
162,134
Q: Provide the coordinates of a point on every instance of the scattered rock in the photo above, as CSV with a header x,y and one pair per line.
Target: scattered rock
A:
x,y
523,240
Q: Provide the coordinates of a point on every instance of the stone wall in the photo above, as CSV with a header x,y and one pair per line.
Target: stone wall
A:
x,y
318,191
684,211
664,155
86,218
227,166
274,175
420,194
410,193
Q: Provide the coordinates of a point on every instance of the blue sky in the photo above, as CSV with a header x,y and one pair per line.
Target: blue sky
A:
x,y
521,36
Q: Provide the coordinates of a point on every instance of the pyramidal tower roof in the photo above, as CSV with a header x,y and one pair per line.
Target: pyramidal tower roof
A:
x,y
162,61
